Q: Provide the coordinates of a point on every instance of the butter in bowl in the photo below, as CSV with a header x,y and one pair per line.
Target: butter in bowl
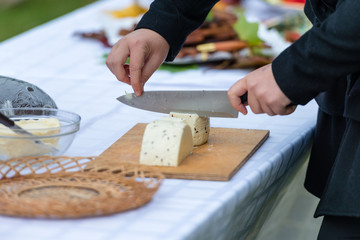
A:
x,y
51,132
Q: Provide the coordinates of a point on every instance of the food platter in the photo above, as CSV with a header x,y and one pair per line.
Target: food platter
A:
x,y
289,4
218,28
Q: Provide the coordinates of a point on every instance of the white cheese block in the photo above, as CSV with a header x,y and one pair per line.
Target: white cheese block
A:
x,y
166,142
200,126
15,147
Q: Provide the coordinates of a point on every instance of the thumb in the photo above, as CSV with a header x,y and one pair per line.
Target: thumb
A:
x,y
235,92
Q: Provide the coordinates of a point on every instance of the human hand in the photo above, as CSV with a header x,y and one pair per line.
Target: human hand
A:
x,y
264,95
146,49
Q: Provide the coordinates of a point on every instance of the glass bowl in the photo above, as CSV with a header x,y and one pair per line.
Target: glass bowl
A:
x,y
53,132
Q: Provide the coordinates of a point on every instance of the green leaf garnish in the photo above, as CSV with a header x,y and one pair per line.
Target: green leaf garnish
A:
x,y
167,67
209,17
177,68
247,31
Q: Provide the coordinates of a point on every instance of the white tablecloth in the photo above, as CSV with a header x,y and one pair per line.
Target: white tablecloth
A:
x,y
72,71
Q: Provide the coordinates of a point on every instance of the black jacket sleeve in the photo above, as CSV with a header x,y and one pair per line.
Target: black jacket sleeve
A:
x,y
175,20
325,54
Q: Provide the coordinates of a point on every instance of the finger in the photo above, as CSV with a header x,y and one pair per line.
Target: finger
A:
x,y
288,110
254,104
150,67
127,72
234,93
285,108
267,109
237,105
260,102
136,65
267,106
115,62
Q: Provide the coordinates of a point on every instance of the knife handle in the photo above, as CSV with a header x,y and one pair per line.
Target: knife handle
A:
x,y
6,121
244,97
17,129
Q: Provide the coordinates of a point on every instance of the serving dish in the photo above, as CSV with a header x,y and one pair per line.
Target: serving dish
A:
x,y
49,126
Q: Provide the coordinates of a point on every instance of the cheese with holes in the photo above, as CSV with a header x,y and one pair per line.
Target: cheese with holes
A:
x,y
200,126
15,147
166,142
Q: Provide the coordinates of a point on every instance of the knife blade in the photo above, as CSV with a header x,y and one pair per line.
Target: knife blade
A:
x,y
204,103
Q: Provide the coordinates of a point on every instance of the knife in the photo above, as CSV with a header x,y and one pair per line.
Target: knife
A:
x,y
204,103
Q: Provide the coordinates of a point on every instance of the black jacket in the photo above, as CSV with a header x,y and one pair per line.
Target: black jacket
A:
x,y
325,61
175,20
317,65
323,64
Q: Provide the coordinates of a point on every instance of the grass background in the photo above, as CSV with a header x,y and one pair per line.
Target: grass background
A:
x,y
17,18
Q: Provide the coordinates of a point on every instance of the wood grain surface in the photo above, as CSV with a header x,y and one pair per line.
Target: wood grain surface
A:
x,y
218,160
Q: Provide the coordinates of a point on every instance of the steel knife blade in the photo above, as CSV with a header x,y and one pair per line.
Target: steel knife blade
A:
x,y
204,103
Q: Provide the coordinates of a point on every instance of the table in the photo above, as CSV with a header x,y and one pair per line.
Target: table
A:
x,y
72,71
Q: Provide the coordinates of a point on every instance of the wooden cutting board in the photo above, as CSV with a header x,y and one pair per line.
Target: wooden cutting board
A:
x,y
226,151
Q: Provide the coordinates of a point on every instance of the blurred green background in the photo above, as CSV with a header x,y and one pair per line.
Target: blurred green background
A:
x,y
17,16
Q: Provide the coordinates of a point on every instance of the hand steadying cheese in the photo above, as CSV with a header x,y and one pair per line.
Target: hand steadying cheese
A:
x,y
200,126
166,142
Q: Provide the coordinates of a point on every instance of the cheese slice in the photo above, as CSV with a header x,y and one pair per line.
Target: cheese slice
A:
x,y
166,142
13,147
200,126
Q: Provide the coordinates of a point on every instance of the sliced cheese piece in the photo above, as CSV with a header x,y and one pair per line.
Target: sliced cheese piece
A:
x,y
13,147
200,126
166,142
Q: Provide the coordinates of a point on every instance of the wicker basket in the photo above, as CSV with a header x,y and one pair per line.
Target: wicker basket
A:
x,y
73,187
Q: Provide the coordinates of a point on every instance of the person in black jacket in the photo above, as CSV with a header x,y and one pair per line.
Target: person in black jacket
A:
x,y
323,64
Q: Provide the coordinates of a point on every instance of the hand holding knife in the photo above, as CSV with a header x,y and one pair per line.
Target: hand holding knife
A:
x,y
263,94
